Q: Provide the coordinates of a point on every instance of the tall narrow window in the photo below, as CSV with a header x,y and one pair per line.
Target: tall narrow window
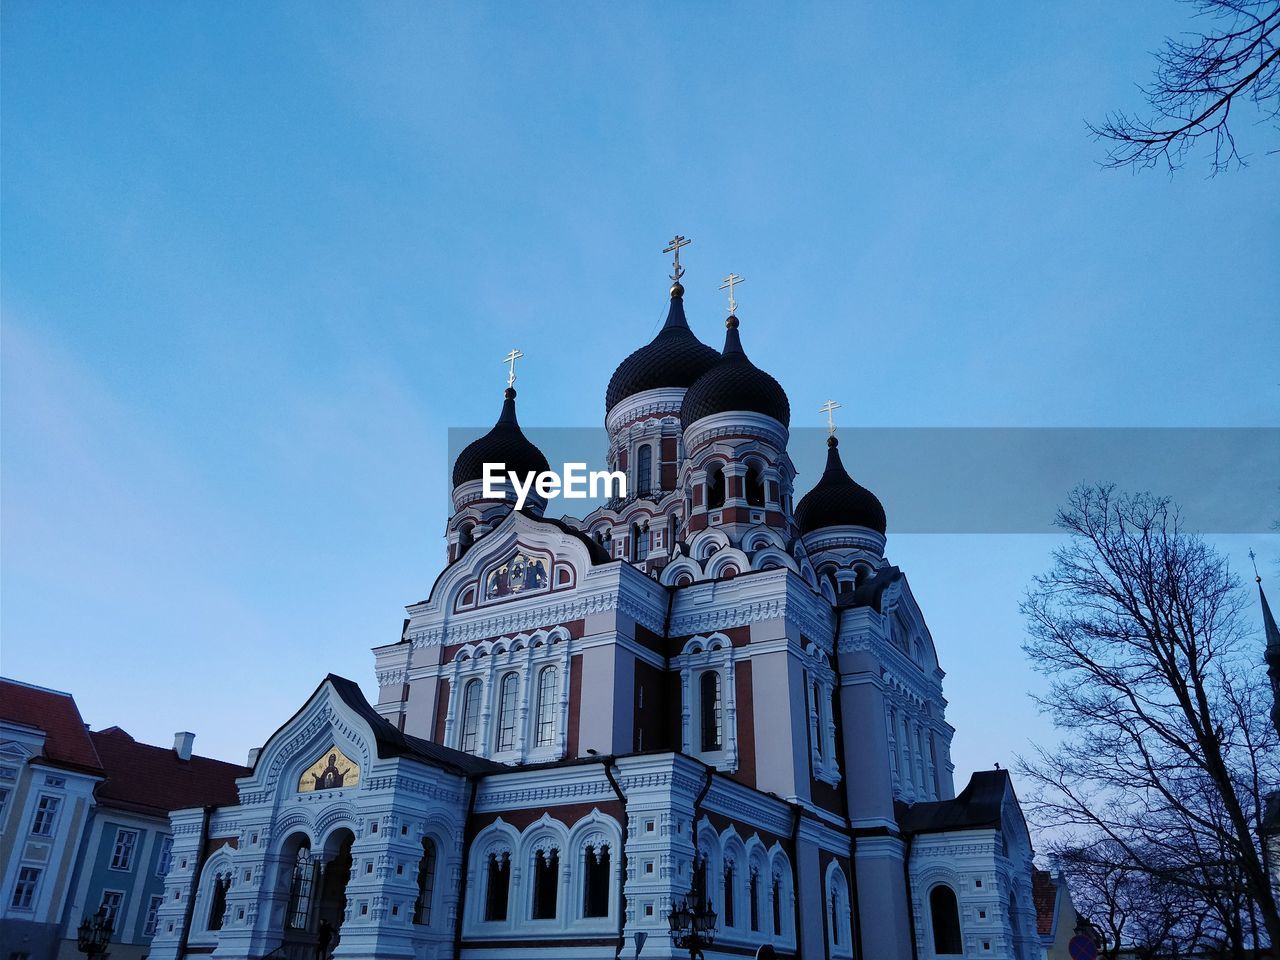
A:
x,y
548,695
110,906
595,897
498,887
153,916
300,890
728,893
644,470
753,899
712,711
507,712
755,487
126,844
426,882
715,487
673,526
777,905
546,883
471,716
945,914
819,725
835,918
933,764
639,541
218,908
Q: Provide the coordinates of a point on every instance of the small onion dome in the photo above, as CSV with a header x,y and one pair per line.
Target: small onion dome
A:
x,y
674,358
505,443
837,500
735,384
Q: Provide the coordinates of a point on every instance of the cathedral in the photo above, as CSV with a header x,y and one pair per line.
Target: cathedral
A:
x,y
705,720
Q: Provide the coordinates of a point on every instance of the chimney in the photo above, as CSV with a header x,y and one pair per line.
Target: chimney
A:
x,y
182,741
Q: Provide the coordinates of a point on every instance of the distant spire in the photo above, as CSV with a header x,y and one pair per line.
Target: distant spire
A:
x,y
1272,653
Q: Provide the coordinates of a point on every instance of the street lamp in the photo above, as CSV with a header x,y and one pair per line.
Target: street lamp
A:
x,y
94,935
693,920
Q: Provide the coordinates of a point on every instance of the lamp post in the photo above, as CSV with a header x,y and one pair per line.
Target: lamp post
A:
x,y
693,920
93,935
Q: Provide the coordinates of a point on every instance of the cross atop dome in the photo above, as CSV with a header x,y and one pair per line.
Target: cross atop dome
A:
x,y
674,247
511,358
728,284
830,407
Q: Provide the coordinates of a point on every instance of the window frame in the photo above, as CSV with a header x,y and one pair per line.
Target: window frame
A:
x,y
125,863
29,884
45,821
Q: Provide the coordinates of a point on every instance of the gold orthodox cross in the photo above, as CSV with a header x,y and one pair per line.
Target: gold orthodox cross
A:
x,y
728,284
829,408
511,358
674,247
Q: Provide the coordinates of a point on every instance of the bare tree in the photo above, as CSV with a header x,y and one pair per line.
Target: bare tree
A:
x,y
1166,752
1197,85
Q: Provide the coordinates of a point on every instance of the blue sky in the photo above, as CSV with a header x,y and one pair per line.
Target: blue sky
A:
x,y
258,259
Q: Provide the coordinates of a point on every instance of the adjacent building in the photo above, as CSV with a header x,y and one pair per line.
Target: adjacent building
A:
x,y
84,824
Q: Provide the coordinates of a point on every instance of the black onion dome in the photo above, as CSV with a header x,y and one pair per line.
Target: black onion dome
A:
x,y
674,358
837,500
505,443
735,383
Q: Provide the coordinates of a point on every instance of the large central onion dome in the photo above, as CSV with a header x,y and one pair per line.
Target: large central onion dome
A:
x,y
837,500
674,358
505,443
735,384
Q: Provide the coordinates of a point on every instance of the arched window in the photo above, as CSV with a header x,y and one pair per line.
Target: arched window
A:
x,y
300,890
644,470
839,914
426,882
715,487
755,486
728,892
945,916
546,883
712,709
218,909
548,695
498,887
471,716
595,883
507,712
466,537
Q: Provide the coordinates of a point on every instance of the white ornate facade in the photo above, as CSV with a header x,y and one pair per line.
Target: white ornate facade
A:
x,y
702,684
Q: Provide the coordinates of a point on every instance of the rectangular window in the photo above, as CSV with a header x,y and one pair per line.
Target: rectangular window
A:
x,y
153,916
165,860
548,704
111,901
4,804
507,712
126,844
46,816
24,891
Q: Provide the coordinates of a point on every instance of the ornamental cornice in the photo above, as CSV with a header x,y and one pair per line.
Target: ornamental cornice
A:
x,y
513,798
387,678
483,624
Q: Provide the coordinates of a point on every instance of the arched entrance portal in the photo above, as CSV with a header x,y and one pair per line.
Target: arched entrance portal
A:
x,y
317,894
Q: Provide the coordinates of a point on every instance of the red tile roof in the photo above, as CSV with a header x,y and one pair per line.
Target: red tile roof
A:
x,y
153,780
67,742
1045,894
